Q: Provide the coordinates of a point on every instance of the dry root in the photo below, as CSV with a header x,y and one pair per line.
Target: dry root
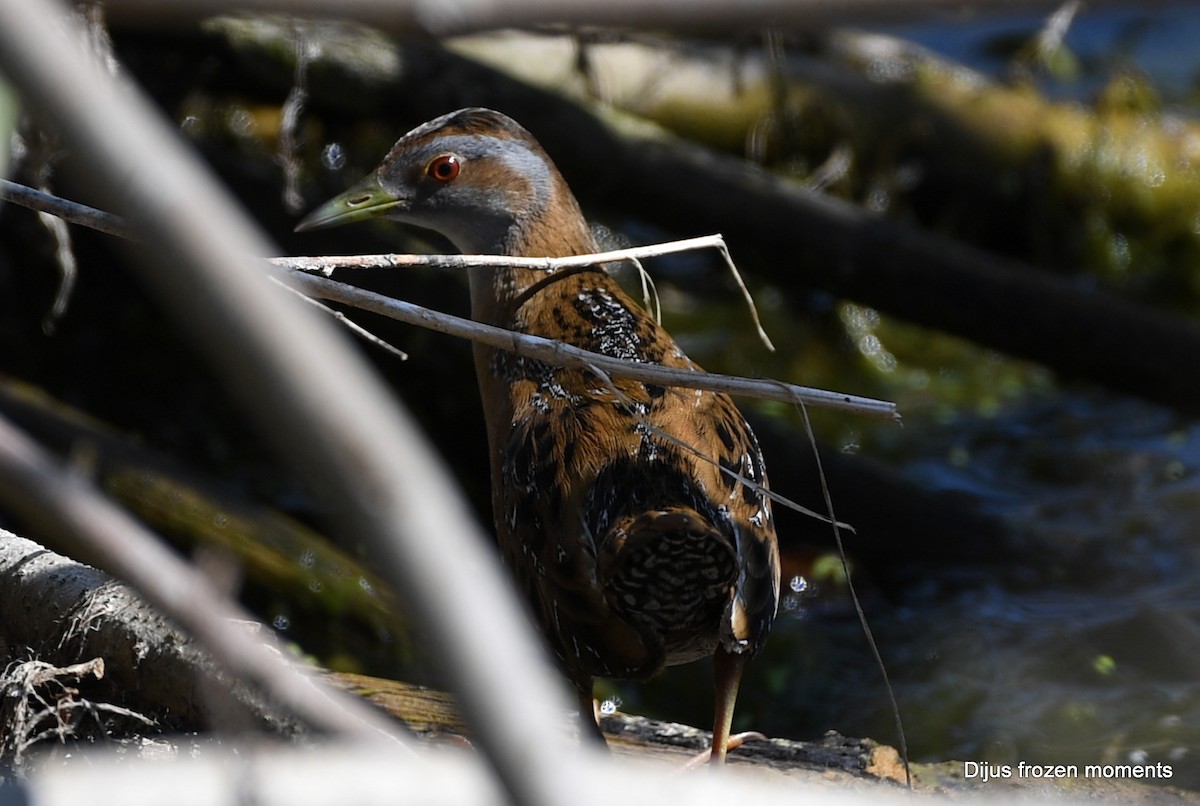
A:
x,y
39,702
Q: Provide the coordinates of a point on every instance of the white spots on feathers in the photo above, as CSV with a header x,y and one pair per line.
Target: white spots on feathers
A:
x,y
614,326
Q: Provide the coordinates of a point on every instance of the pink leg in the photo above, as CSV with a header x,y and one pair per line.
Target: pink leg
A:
x,y
728,667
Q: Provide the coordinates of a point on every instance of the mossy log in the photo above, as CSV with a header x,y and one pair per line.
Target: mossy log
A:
x,y
58,611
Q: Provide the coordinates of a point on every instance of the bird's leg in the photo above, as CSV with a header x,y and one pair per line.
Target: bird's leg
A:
x,y
728,668
589,720
728,674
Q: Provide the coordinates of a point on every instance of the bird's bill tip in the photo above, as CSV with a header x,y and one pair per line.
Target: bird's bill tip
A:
x,y
367,199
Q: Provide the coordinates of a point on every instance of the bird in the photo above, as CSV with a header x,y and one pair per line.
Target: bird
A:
x,y
635,518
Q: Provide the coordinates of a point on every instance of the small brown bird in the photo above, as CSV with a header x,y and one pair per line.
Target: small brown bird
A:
x,y
633,552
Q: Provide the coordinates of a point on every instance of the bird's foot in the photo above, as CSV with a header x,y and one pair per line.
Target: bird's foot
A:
x,y
735,741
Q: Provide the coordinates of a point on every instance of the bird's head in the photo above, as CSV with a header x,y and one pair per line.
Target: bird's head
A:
x,y
475,176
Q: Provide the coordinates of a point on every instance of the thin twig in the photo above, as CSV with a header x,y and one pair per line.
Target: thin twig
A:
x,y
68,267
737,278
858,608
650,299
348,323
290,138
68,210
326,264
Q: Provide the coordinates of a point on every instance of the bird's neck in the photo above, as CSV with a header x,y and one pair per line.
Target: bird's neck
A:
x,y
556,228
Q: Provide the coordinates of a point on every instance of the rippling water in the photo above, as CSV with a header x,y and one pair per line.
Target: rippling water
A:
x,y
1086,650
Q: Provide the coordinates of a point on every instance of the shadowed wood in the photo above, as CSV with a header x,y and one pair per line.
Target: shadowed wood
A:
x,y
633,552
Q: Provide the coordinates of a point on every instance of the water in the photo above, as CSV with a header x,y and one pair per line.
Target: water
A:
x,y
1158,40
1081,647
1084,650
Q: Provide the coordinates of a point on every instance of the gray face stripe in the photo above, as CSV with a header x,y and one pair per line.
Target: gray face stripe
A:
x,y
514,154
481,230
518,158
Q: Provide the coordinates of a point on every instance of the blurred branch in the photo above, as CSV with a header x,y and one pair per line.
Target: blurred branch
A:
x,y
204,517
374,777
326,413
450,17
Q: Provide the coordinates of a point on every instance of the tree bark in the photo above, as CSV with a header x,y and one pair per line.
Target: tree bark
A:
x,y
62,612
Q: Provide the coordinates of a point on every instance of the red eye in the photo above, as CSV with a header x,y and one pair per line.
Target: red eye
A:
x,y
443,168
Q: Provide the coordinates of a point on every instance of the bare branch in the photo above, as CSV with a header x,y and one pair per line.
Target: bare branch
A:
x,y
531,346
326,264
449,17
67,210
556,352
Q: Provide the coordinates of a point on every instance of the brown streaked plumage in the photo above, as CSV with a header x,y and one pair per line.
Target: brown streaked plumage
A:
x,y
633,552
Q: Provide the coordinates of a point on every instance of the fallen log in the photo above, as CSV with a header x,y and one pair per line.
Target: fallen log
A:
x,y
61,612
803,241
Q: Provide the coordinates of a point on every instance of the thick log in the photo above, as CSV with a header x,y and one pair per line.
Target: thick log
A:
x,y
808,240
62,612
803,240
842,763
